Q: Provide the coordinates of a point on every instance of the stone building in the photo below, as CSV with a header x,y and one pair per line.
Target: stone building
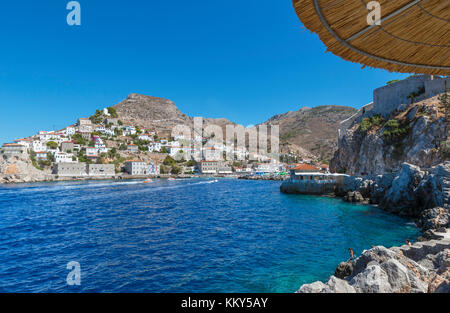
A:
x,y
70,169
13,149
136,167
208,167
100,170
67,146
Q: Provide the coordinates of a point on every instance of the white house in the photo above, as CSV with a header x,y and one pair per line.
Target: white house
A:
x,y
108,132
181,152
129,130
41,155
145,137
38,146
136,167
155,147
63,157
90,151
70,131
24,142
48,135
101,148
212,154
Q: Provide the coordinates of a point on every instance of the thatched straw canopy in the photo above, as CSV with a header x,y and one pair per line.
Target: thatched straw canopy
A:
x,y
414,35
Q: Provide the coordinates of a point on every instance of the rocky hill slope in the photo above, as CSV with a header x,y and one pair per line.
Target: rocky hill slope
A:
x,y
159,114
313,129
309,132
415,133
19,169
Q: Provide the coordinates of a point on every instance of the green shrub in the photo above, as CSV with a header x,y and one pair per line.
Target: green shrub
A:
x,y
112,111
369,123
395,130
176,170
52,145
169,161
445,149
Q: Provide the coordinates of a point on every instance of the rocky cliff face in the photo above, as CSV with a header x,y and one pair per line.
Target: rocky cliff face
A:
x,y
409,192
15,169
416,133
150,112
159,114
313,129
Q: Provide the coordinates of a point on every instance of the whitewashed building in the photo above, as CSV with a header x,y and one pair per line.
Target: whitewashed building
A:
x,y
136,167
63,157
38,146
91,151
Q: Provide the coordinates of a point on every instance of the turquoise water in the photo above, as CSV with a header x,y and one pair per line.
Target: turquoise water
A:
x,y
199,235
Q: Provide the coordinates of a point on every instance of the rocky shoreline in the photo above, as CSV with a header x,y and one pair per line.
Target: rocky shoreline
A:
x,y
423,267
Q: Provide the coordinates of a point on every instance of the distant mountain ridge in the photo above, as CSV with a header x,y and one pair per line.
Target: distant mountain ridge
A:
x,y
313,129
311,132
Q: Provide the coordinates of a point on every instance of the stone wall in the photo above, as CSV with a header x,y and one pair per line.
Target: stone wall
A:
x,y
387,98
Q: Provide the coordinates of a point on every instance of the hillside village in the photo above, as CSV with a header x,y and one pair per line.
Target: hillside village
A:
x,y
133,139
103,146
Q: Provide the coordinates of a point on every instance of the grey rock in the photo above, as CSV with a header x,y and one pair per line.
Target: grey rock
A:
x,y
344,270
336,285
397,275
372,280
435,218
315,287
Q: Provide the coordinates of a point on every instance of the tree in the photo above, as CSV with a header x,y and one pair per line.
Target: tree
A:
x,y
52,145
175,170
50,157
164,169
190,163
169,161
112,111
79,139
97,118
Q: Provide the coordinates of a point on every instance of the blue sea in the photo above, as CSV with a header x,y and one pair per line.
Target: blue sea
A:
x,y
196,235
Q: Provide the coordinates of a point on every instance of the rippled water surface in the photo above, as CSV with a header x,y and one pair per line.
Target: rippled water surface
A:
x,y
199,235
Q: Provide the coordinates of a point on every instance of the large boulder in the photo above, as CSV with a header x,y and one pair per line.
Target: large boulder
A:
x,y
401,197
354,197
372,280
397,276
337,285
434,218
315,287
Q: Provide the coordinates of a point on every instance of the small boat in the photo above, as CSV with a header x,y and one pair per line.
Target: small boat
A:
x,y
171,178
147,181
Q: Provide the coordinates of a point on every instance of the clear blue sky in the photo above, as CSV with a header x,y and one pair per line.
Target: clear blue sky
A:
x,y
245,60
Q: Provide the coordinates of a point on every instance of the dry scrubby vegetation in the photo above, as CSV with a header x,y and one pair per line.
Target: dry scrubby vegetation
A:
x,y
397,128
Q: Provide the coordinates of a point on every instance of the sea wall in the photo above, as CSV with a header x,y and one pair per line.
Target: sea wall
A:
x,y
308,187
